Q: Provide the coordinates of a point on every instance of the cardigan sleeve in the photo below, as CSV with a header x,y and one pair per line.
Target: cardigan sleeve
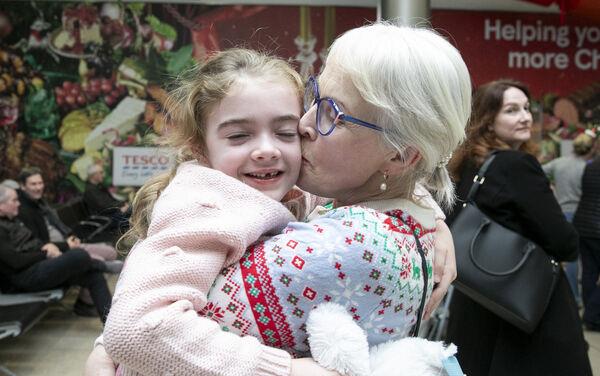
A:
x,y
541,215
422,194
203,221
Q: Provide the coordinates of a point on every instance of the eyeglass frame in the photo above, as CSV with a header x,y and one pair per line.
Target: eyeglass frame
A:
x,y
339,114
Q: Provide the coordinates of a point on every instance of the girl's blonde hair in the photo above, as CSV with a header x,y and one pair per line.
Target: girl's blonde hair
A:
x,y
421,88
195,94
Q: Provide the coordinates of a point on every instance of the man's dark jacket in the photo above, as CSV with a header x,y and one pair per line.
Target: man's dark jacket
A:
x,y
19,248
33,213
587,216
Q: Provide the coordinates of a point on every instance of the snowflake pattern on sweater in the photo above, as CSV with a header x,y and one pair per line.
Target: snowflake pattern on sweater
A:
x,y
363,259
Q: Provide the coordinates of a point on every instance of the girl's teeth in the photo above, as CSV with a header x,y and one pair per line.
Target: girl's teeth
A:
x,y
262,176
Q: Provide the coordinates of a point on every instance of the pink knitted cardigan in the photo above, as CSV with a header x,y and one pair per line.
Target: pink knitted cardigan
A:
x,y
202,222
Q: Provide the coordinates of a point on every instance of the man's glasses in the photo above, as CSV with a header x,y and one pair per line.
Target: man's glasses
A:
x,y
328,112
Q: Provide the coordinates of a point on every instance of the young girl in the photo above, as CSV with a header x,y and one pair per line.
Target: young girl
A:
x,y
238,113
154,326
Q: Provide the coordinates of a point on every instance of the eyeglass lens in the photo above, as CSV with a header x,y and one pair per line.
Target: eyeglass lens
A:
x,y
326,114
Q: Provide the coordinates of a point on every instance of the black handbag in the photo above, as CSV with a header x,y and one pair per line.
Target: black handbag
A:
x,y
499,268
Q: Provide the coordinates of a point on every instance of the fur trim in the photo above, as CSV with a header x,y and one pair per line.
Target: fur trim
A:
x,y
410,357
336,341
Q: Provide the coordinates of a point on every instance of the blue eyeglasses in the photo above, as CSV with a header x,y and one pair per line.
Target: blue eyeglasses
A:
x,y
328,112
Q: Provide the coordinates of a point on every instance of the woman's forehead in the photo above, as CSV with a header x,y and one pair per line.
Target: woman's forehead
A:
x,y
514,95
330,80
335,83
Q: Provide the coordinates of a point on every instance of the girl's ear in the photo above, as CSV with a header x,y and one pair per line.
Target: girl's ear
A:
x,y
199,154
396,164
202,160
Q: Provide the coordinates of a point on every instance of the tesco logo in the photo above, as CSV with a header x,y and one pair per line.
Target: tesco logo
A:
x,y
145,159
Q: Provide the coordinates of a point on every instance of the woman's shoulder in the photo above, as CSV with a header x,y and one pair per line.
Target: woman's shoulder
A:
x,y
350,212
507,156
594,165
401,219
516,163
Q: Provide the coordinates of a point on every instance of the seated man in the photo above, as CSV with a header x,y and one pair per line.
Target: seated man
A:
x,y
97,197
28,264
45,224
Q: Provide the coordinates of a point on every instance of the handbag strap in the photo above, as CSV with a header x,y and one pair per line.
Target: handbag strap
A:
x,y
480,177
415,330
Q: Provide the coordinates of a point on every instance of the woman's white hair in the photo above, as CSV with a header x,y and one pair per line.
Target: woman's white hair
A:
x,y
93,168
4,192
421,89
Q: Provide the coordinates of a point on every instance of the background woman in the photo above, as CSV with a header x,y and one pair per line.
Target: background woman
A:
x,y
516,194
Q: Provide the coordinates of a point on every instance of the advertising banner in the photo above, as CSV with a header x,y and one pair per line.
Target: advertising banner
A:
x,y
531,47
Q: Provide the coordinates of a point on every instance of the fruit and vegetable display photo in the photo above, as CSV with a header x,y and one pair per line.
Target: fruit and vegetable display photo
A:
x,y
78,79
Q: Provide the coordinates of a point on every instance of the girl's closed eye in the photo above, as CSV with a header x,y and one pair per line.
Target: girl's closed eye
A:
x,y
237,137
287,134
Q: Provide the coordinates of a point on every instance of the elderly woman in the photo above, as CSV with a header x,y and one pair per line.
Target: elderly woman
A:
x,y
387,111
517,195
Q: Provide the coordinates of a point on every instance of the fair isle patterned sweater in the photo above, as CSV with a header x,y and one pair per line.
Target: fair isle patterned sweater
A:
x,y
363,257
360,258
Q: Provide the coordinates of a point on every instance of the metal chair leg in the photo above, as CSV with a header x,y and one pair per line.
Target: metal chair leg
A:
x,y
6,371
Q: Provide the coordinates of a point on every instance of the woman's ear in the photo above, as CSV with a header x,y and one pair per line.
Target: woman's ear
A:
x,y
397,163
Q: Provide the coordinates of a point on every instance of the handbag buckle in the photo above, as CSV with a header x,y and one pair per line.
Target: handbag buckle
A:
x,y
478,180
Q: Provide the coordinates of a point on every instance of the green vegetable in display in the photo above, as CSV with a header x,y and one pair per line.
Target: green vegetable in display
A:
x,y
136,8
132,74
178,60
41,114
96,112
161,28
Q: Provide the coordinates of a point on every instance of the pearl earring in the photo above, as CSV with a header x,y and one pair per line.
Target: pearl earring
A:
x,y
383,186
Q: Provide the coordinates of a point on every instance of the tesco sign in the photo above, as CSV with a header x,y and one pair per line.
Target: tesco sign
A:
x,y
132,166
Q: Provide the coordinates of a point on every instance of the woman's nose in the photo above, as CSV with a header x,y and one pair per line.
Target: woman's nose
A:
x,y
526,116
307,126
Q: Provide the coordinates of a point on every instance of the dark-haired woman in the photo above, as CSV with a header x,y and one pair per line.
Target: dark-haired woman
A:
x,y
516,194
